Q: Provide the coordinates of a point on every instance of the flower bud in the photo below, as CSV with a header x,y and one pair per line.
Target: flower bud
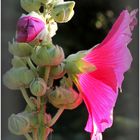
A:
x,y
31,27
52,28
19,77
62,97
45,1
54,2
30,5
63,12
21,123
49,55
66,82
75,64
18,62
57,71
20,49
38,87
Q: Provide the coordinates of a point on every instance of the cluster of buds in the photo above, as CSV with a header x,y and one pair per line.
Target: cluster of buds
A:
x,y
36,63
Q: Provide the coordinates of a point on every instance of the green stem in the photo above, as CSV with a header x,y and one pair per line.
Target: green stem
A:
x,y
50,82
35,134
33,68
28,137
56,117
47,72
27,99
41,121
38,103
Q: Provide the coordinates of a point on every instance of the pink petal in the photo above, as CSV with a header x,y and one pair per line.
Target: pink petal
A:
x,y
97,136
107,76
35,26
100,100
113,53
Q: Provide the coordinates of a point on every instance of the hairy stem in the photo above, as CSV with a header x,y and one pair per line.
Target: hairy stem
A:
x,y
27,99
41,120
28,137
56,117
35,134
33,68
47,72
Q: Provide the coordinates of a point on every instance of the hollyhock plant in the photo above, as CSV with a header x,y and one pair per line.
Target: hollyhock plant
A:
x,y
37,63
99,88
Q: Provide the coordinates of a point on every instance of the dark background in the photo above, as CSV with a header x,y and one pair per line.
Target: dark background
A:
x,y
89,26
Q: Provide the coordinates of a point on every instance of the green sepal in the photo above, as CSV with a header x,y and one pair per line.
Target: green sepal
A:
x,y
57,71
47,56
22,123
30,5
75,64
19,62
38,87
63,12
62,96
19,77
20,49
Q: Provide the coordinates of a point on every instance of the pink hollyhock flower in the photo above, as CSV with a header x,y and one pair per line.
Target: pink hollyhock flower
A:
x,y
99,88
29,27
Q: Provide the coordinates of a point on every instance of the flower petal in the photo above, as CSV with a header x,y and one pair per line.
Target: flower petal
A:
x,y
100,100
98,136
113,52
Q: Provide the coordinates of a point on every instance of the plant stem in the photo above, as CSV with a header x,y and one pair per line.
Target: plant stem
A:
x,y
28,137
33,68
41,120
47,72
56,117
38,103
35,134
27,99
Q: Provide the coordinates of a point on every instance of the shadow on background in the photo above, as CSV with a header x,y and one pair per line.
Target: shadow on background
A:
x,y
89,26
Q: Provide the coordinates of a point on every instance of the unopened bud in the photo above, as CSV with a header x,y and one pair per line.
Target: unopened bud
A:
x,y
57,71
62,97
38,87
22,123
52,28
19,77
45,1
18,62
66,82
47,55
30,5
63,12
75,64
20,49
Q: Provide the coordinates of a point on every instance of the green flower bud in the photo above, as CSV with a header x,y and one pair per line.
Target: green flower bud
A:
x,y
38,87
47,55
63,12
45,1
75,64
57,71
30,5
18,62
52,28
16,78
21,123
62,97
20,49
66,82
